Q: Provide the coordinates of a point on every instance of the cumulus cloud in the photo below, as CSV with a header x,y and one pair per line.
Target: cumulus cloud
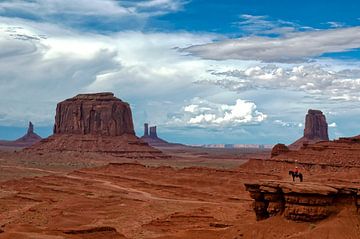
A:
x,y
332,125
292,47
45,70
314,79
202,112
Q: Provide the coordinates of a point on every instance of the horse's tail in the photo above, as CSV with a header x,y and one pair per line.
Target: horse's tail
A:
x,y
291,172
301,177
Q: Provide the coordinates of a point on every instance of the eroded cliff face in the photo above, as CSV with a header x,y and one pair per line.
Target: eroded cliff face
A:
x,y
301,201
98,114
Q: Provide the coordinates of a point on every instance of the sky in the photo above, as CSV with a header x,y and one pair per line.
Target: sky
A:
x,y
203,71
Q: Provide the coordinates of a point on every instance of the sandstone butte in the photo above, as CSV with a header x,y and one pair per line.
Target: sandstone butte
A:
x,y
98,123
152,138
316,129
27,140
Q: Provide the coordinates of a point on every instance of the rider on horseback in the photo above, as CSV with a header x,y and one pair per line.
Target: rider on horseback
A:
x,y
296,171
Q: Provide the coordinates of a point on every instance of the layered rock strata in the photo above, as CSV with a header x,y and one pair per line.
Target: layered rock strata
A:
x,y
98,114
98,123
301,201
344,152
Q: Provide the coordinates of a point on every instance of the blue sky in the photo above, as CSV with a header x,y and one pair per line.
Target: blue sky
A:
x,y
203,71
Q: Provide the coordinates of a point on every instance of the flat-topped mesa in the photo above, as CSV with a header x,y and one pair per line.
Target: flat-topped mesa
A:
x,y
95,123
97,114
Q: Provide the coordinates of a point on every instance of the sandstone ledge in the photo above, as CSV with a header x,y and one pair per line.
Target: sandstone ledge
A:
x,y
301,201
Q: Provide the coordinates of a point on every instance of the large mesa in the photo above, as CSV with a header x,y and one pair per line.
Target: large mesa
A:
x,y
98,114
97,122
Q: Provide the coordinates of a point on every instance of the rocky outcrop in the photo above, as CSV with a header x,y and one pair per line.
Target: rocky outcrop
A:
x,y
344,152
27,140
30,137
316,126
98,123
301,201
316,129
98,114
146,129
153,133
279,149
153,139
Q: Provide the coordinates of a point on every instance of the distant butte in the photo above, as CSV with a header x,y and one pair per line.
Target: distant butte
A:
x,y
153,139
27,140
316,129
95,123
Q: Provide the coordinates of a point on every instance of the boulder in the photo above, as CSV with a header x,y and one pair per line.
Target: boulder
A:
x,y
279,149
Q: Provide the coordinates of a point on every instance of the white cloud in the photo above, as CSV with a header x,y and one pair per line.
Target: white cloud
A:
x,y
291,47
332,125
262,25
335,24
314,79
165,5
205,113
288,124
53,7
45,70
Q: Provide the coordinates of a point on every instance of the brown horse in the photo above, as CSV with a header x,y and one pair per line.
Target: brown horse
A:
x,y
294,175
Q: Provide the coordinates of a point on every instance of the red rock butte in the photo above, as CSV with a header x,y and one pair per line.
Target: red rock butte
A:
x,y
153,139
316,129
98,123
27,140
98,114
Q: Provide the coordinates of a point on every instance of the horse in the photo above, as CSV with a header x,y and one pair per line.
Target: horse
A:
x,y
294,175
